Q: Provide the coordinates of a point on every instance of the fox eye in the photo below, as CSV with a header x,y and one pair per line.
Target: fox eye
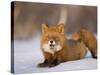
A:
x,y
48,38
56,39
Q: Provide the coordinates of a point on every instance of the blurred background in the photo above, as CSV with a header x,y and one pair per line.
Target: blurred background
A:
x,y
28,18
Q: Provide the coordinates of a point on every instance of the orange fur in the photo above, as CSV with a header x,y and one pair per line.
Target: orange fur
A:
x,y
88,39
69,50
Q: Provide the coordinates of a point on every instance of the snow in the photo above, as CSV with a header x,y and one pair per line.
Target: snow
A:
x,y
27,54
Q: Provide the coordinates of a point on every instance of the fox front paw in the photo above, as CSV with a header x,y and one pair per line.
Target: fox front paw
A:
x,y
51,65
42,65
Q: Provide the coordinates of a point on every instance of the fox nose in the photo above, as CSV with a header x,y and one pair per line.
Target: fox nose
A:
x,y
51,41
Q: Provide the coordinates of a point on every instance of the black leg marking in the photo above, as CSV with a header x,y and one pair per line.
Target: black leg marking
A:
x,y
54,63
44,64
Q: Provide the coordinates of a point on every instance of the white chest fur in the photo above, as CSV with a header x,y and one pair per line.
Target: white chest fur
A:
x,y
47,48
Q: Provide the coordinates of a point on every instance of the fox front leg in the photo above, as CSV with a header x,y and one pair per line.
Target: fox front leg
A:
x,y
54,63
44,64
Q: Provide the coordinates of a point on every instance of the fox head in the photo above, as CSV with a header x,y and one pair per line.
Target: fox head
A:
x,y
52,38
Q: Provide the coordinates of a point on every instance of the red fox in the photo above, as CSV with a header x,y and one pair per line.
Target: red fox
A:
x,y
57,49
88,39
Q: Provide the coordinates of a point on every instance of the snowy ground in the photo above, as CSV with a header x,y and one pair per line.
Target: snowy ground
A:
x,y
27,55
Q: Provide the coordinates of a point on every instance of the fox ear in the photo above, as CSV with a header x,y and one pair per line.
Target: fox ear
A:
x,y
44,28
61,28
